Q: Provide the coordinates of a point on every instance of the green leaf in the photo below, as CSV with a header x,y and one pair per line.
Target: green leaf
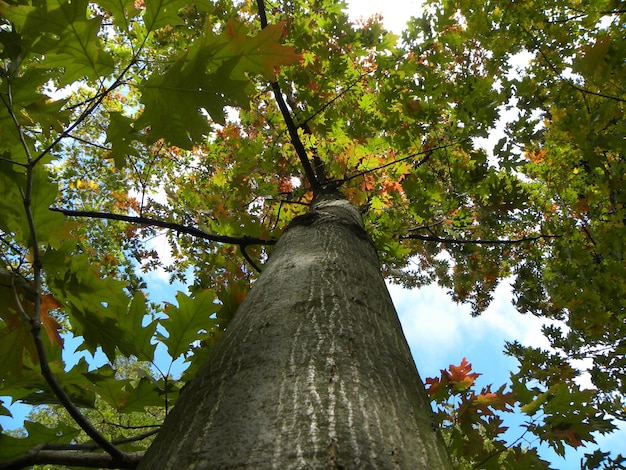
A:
x,y
75,383
121,135
139,342
13,342
17,14
30,107
122,11
48,224
11,447
145,393
72,43
592,61
96,305
160,13
175,99
110,388
532,407
48,114
188,322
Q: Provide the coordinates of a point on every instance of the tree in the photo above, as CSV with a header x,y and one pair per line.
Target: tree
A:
x,y
273,129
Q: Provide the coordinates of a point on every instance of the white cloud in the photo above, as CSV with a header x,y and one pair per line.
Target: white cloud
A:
x,y
440,331
395,13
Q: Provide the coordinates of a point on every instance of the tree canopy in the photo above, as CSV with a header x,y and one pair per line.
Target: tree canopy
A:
x,y
216,122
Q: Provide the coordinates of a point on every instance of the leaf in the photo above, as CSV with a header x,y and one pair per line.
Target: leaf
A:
x,y
122,11
262,53
13,343
174,100
11,447
140,342
188,322
461,376
76,47
110,388
121,135
230,298
144,394
532,407
51,326
16,14
75,383
593,59
160,13
567,434
437,387
13,217
95,305
497,400
47,114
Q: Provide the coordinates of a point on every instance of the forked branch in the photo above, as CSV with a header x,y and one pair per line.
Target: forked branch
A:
x,y
291,126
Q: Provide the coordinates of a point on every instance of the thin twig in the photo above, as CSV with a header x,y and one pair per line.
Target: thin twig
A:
x,y
338,96
87,112
87,142
428,153
498,452
452,241
563,79
8,160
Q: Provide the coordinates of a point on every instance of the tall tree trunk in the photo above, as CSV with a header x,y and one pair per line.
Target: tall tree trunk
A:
x,y
313,371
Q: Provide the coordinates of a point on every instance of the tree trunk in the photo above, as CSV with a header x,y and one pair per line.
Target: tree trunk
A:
x,y
313,371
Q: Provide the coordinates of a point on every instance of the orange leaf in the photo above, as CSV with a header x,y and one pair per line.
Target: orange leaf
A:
x,y
461,376
568,435
497,400
48,302
368,183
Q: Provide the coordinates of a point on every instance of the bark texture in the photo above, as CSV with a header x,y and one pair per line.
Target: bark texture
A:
x,y
314,371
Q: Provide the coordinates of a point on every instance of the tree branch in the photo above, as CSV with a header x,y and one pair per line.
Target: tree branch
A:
x,y
451,241
428,153
563,79
88,447
87,111
248,259
42,456
291,127
196,232
34,320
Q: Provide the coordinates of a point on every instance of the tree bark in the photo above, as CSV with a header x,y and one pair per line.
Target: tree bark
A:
x,y
313,372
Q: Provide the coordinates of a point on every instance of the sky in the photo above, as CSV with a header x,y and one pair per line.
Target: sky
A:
x,y
439,331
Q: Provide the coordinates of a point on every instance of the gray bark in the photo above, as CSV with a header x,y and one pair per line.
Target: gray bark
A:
x,y
313,371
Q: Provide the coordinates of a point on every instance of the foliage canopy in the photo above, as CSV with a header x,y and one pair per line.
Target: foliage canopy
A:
x,y
121,119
